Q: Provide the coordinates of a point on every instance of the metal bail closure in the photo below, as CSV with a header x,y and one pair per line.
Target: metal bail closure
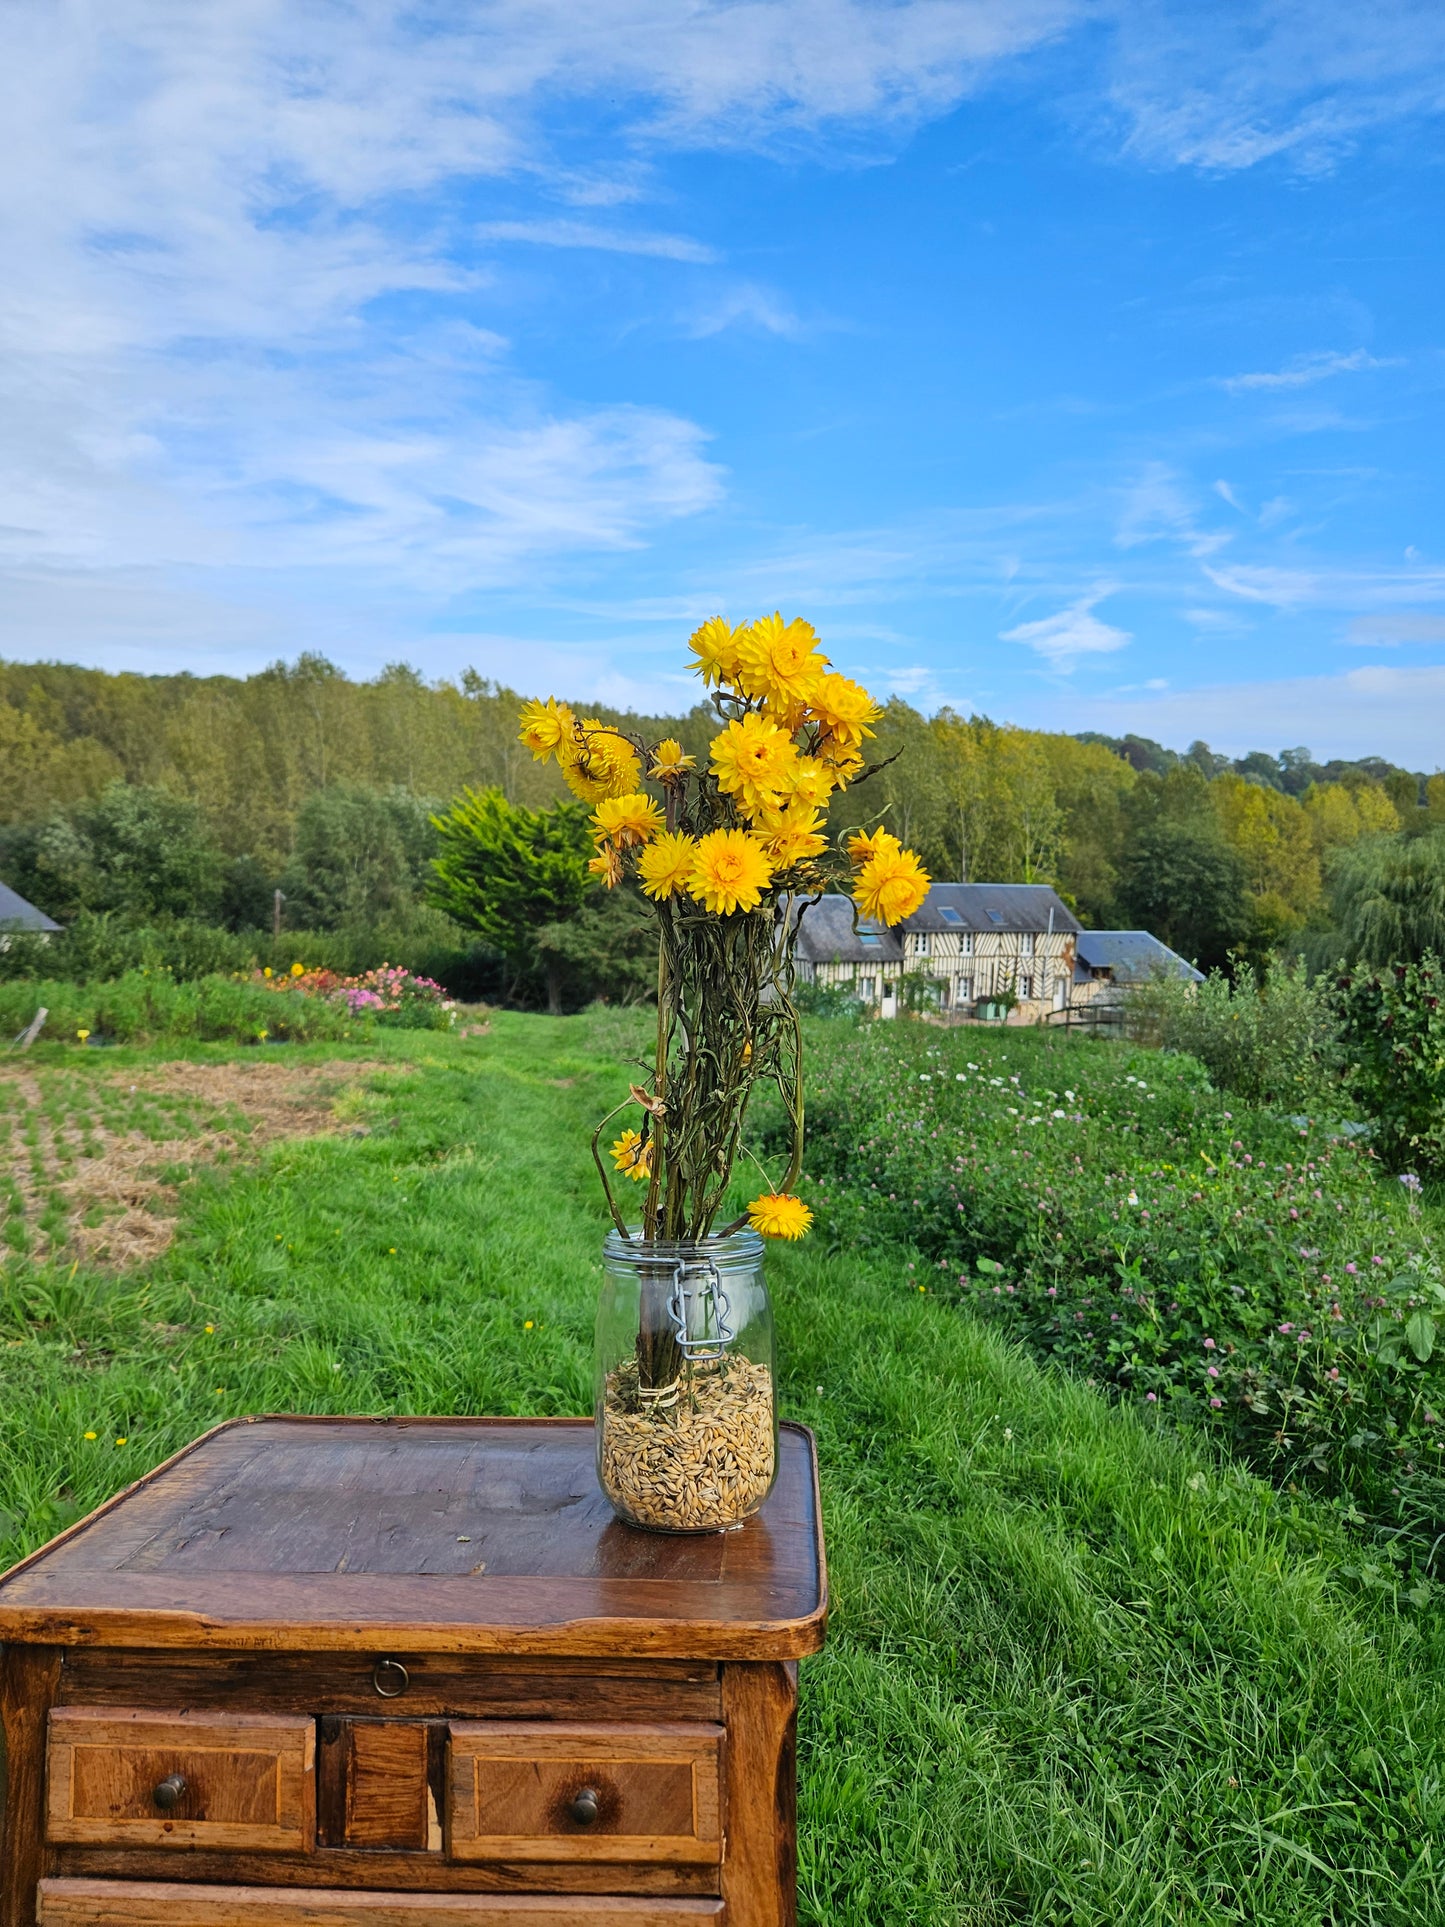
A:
x,y
700,1313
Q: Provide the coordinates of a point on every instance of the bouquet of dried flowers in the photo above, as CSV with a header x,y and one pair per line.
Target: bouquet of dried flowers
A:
x,y
730,855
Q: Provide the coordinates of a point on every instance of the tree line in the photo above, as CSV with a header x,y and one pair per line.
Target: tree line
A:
x,y
183,796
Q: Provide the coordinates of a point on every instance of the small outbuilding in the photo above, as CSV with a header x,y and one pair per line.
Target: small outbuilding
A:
x,y
1109,963
19,917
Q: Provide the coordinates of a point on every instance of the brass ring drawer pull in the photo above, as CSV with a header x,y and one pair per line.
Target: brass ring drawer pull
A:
x,y
584,1806
170,1792
390,1678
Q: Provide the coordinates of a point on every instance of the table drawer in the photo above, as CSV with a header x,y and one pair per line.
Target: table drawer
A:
x,y
123,1777
523,1790
126,1903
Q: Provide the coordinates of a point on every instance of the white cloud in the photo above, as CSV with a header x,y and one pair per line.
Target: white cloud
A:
x,y
1159,505
582,234
1074,632
199,371
1374,711
1327,585
1242,82
1304,370
746,305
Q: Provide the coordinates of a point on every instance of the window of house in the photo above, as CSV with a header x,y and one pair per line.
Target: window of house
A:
x,y
1029,943
867,936
965,990
949,914
965,943
867,988
920,943
1026,989
996,917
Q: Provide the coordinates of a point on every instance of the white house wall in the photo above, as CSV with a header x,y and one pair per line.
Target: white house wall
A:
x,y
1000,960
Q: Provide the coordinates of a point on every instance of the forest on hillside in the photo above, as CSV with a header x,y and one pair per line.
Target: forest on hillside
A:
x,y
301,778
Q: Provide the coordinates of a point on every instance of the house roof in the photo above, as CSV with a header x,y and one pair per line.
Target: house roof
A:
x,y
826,935
17,914
1131,957
992,906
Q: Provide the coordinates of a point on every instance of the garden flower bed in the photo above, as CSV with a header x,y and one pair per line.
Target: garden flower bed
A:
x,y
390,994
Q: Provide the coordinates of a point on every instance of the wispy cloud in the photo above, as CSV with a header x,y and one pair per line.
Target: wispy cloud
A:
x,y
230,217
1328,585
1244,82
1063,638
582,234
746,305
1305,370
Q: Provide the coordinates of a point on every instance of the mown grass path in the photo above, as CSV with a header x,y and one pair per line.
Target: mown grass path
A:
x,y
1077,1672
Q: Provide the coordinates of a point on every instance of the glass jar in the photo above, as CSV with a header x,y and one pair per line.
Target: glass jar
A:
x,y
687,1422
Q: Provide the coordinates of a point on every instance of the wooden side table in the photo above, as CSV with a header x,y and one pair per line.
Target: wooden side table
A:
x,y
405,1673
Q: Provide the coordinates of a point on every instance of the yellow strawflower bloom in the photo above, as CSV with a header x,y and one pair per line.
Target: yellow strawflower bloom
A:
x,y
669,763
625,820
597,763
862,849
778,1215
715,645
545,727
750,758
666,864
792,837
298,970
844,708
730,872
632,1156
891,885
841,759
780,662
807,783
607,866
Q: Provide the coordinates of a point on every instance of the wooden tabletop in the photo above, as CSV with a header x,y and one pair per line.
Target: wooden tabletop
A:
x,y
427,1535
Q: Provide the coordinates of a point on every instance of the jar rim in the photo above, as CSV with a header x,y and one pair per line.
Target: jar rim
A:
x,y
635,1249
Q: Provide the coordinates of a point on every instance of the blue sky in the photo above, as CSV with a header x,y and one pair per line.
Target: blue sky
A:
x,y
1077,362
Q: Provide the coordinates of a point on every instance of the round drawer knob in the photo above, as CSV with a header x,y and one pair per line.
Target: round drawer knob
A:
x,y
584,1806
390,1678
170,1792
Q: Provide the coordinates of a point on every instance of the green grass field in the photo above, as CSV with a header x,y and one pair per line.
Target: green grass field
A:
x,y
1079,1670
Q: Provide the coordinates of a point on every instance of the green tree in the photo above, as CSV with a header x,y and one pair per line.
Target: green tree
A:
x,y
361,857
1388,894
135,850
608,950
508,872
39,768
1178,877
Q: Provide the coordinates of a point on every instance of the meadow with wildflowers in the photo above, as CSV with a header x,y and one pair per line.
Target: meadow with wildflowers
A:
x,y
1083,1667
1255,1273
